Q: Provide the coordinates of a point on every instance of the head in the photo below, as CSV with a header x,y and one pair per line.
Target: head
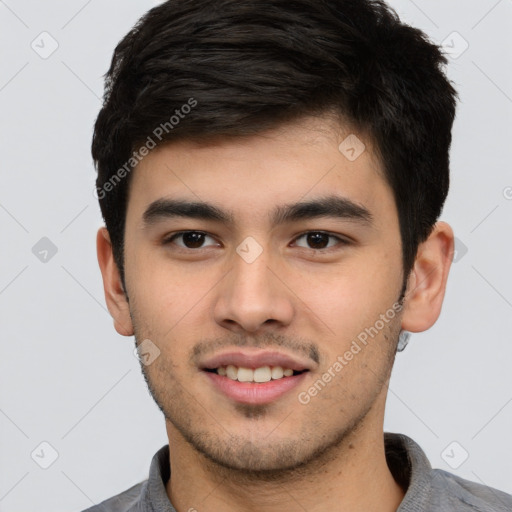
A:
x,y
240,124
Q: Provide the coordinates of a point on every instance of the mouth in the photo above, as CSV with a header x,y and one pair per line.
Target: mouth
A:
x,y
259,375
254,377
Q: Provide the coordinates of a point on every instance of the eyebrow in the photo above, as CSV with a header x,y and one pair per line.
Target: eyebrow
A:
x,y
329,206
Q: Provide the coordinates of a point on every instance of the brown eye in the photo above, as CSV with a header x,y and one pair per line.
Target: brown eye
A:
x,y
319,240
193,240
189,239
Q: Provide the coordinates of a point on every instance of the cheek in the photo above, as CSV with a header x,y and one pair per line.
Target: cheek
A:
x,y
169,306
354,297
156,287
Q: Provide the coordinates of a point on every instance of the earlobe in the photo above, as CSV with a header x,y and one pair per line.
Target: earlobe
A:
x,y
115,296
427,282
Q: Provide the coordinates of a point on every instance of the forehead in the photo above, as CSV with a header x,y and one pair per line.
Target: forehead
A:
x,y
249,176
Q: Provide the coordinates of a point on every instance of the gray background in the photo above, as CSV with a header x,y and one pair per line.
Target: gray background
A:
x,y
69,380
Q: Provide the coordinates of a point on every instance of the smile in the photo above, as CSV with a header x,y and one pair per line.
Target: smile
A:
x,y
256,375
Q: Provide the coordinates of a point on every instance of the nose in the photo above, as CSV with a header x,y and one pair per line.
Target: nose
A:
x,y
253,297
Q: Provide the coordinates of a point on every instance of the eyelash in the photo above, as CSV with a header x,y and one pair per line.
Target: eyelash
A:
x,y
341,241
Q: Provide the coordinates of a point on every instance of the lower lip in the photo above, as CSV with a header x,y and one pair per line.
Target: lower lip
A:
x,y
255,393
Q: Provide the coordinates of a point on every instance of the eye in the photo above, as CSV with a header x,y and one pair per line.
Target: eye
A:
x,y
189,239
319,240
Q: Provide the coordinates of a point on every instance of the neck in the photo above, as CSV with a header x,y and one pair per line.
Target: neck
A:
x,y
352,476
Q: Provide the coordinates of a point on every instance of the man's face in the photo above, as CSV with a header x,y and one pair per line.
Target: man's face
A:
x,y
271,284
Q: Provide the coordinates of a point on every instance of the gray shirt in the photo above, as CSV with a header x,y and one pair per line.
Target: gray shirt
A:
x,y
428,490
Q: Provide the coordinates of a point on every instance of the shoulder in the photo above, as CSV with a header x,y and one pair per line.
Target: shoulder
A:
x,y
436,490
451,492
147,495
127,501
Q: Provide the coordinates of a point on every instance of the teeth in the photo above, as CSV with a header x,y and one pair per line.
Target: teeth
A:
x,y
245,375
262,374
231,372
277,372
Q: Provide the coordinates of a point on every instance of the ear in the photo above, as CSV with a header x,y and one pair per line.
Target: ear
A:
x,y
115,296
426,284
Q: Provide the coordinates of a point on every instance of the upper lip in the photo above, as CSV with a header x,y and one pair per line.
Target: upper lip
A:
x,y
255,359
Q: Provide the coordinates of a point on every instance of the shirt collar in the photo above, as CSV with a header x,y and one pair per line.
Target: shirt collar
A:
x,y
411,469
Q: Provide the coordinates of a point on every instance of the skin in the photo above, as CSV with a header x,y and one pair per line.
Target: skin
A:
x,y
327,454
